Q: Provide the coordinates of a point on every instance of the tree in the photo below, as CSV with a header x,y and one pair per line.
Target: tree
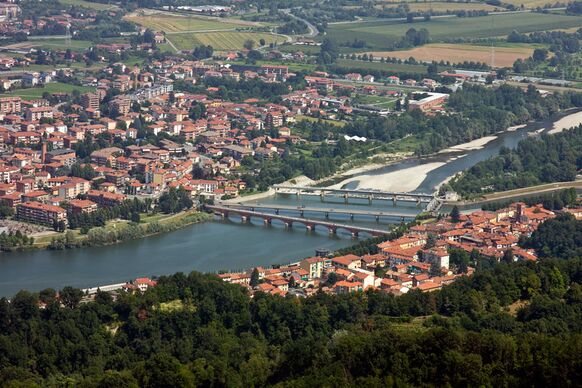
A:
x,y
135,217
455,214
431,241
70,297
329,52
540,55
508,256
249,44
254,278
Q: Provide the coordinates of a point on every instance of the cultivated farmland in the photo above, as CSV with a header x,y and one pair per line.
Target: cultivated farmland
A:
x,y
170,24
444,6
457,53
380,34
222,40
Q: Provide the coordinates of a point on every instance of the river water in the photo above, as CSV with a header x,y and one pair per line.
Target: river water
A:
x,y
224,244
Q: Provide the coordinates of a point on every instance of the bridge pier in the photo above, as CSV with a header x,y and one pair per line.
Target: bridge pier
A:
x,y
267,221
277,211
355,234
332,230
326,215
288,224
394,200
377,218
301,213
245,219
224,215
346,196
370,197
352,216
310,228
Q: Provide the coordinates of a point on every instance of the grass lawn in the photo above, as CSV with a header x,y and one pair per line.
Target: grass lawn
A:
x,y
89,4
388,67
61,43
534,3
222,40
380,33
337,123
293,48
446,6
175,305
378,101
56,87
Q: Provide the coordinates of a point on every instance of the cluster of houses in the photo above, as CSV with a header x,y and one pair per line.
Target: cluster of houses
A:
x,y
38,138
420,259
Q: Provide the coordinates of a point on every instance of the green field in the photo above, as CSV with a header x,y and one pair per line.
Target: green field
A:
x,y
56,87
223,40
378,33
88,4
395,67
377,101
52,44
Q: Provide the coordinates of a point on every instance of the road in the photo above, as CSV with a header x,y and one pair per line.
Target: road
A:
x,y
520,193
328,211
313,31
309,223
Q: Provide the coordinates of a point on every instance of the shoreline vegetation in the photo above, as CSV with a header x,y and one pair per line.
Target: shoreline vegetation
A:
x,y
371,181
117,231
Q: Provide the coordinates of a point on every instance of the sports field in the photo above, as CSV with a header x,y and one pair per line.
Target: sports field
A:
x,y
222,40
380,34
56,87
457,53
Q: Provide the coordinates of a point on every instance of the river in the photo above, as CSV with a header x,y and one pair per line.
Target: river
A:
x,y
230,244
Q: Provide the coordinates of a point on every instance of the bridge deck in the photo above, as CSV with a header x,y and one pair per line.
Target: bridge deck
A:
x,y
306,221
372,213
355,192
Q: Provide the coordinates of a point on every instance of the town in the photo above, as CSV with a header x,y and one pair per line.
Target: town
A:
x,y
136,136
426,257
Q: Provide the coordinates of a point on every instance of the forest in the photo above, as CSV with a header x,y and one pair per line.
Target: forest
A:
x,y
515,325
479,111
547,159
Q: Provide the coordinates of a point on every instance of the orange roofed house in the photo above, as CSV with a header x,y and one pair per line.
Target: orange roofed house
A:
x,y
40,213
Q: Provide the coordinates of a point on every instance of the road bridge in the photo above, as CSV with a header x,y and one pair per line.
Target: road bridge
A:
x,y
327,212
288,221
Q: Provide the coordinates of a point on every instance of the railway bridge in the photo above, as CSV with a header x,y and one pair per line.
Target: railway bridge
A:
x,y
370,195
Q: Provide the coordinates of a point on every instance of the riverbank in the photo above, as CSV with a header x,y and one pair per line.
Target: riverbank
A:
x,y
410,178
118,231
396,181
516,194
566,122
